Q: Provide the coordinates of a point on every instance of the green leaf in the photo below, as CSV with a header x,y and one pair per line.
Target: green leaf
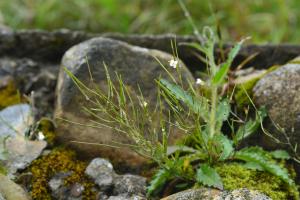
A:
x,y
227,146
221,74
224,67
260,157
158,181
280,154
198,105
250,127
234,51
208,176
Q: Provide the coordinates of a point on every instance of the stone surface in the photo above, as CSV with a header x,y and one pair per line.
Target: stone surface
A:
x,y
59,190
32,76
102,172
279,92
49,46
134,197
136,65
11,191
208,194
114,186
14,120
57,181
245,194
130,185
19,151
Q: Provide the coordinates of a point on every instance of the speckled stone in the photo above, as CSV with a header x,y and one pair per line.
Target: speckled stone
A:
x,y
279,92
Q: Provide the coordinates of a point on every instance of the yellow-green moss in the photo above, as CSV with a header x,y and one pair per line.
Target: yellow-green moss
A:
x,y
3,170
59,160
236,176
9,95
48,129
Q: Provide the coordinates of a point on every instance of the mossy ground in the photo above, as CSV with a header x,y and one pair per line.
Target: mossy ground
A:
x,y
59,160
236,176
9,95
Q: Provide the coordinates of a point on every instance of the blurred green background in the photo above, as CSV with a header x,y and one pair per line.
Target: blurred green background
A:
x,y
264,20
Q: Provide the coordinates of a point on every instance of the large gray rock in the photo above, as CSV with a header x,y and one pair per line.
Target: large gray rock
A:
x,y
279,92
136,65
18,151
207,194
14,120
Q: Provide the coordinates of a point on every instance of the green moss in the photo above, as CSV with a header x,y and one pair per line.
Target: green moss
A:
x,y
240,95
59,160
9,95
236,176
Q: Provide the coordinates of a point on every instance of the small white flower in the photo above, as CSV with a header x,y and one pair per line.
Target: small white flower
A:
x,y
199,82
145,104
40,136
173,63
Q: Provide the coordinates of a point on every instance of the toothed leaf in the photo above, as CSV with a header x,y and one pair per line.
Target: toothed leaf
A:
x,y
260,157
158,181
208,176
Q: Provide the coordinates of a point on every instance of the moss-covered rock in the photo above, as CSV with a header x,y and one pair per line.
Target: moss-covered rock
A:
x,y
244,86
236,176
9,94
59,160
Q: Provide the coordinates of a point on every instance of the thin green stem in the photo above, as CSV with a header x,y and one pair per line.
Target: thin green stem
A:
x,y
212,124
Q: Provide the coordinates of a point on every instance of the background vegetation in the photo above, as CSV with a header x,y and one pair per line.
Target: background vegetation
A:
x,y
264,20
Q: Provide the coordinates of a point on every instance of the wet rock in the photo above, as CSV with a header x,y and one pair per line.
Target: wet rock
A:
x,y
101,171
19,151
130,185
207,194
136,65
11,191
279,92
